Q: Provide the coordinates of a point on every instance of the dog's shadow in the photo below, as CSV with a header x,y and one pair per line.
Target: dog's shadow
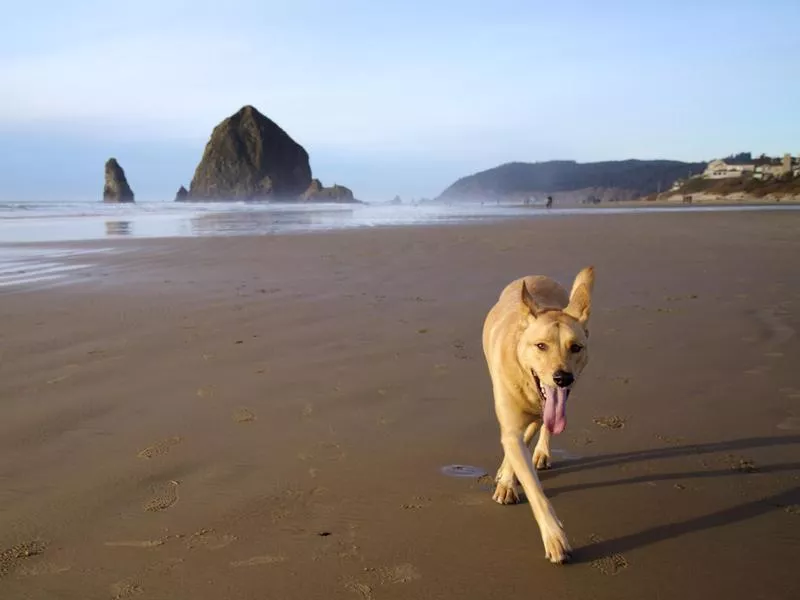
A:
x,y
741,512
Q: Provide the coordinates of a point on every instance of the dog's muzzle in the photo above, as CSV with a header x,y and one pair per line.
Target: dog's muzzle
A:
x,y
554,400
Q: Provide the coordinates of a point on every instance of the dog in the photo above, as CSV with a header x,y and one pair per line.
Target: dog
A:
x,y
535,340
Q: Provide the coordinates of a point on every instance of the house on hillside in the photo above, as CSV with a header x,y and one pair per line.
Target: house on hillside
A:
x,y
763,167
767,168
722,169
677,184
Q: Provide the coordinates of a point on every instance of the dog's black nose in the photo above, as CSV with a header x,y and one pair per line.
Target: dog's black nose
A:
x,y
563,379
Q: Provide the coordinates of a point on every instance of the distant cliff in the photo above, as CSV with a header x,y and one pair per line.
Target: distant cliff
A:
x,y
571,181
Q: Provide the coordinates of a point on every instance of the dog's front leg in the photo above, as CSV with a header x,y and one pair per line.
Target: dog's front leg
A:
x,y
541,453
556,546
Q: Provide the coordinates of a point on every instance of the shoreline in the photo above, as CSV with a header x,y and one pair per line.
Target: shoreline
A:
x,y
117,229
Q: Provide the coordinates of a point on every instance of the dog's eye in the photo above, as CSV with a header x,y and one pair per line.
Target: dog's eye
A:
x,y
575,348
541,346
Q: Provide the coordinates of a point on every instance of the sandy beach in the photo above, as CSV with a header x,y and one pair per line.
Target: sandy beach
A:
x,y
268,417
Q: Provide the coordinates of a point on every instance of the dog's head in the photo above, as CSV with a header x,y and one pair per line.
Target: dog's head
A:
x,y
553,347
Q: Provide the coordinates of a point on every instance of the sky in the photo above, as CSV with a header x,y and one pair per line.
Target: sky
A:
x,y
388,97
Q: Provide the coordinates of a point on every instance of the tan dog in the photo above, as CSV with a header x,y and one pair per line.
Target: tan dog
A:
x,y
535,343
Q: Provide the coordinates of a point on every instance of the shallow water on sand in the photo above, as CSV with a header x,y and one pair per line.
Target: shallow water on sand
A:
x,y
25,266
76,221
27,230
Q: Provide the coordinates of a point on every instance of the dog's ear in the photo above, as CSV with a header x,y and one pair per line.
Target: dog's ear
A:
x,y
580,298
528,303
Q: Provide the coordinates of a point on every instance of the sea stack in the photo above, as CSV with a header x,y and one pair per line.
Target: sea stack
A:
x,y
182,195
116,188
249,157
317,192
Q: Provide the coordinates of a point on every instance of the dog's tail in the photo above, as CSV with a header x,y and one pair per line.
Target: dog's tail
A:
x,y
586,278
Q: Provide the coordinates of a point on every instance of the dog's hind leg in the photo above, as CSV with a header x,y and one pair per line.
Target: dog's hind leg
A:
x,y
505,491
541,454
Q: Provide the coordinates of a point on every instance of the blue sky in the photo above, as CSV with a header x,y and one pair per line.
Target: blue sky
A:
x,y
388,96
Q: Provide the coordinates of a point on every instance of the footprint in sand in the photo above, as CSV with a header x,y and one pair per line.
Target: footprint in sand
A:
x,y
243,415
125,589
357,587
608,565
161,447
209,539
402,573
255,561
611,422
741,464
11,557
164,497
417,503
348,550
208,391
584,439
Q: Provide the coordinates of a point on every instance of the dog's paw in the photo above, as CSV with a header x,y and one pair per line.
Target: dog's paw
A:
x,y
556,546
505,494
541,459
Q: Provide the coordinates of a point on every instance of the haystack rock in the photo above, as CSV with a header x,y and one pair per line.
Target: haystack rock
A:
x,y
116,188
249,157
182,195
317,192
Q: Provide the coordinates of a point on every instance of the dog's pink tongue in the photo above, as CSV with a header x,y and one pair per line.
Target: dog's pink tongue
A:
x,y
555,409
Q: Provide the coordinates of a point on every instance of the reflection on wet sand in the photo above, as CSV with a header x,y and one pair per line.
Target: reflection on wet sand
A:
x,y
119,228
238,223
167,220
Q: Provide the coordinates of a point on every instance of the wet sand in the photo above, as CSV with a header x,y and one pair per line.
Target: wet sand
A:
x,y
268,417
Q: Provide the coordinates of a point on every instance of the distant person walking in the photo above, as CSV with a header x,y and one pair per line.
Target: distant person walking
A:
x,y
549,202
